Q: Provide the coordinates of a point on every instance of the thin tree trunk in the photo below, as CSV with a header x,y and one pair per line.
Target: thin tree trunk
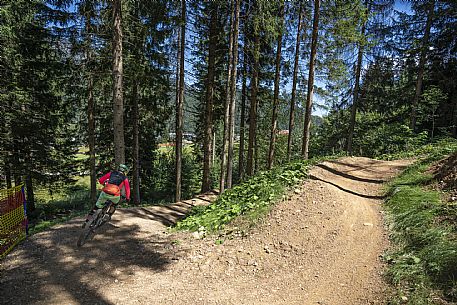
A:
x,y
356,93
208,140
241,167
180,105
29,192
309,97
91,139
9,183
454,118
274,117
90,110
118,99
294,83
253,106
136,194
16,166
420,74
136,144
233,95
256,150
227,103
29,182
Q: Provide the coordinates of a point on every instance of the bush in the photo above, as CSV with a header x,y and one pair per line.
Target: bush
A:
x,y
253,196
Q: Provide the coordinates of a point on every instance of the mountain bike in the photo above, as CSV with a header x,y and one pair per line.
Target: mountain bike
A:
x,y
98,219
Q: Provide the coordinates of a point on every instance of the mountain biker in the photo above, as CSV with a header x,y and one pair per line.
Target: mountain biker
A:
x,y
114,182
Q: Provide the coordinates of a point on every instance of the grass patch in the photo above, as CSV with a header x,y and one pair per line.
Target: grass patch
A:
x,y
252,198
424,265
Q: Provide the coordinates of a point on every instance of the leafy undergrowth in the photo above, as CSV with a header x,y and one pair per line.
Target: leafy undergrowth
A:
x,y
252,198
424,264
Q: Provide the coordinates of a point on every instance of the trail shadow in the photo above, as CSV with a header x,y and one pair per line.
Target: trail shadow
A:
x,y
47,267
345,175
167,215
347,190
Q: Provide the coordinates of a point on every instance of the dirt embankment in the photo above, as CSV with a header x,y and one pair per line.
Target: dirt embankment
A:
x,y
319,246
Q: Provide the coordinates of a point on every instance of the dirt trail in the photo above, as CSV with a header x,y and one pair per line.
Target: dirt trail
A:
x,y
319,246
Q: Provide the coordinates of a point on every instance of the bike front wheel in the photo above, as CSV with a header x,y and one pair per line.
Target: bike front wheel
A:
x,y
88,230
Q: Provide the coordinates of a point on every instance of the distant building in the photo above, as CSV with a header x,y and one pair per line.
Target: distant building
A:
x,y
283,132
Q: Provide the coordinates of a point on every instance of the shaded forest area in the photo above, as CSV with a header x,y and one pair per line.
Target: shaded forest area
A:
x,y
86,85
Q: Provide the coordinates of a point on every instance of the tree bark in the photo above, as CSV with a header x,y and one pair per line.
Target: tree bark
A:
x,y
294,82
91,139
233,95
241,167
420,74
136,144
355,101
29,191
253,106
208,136
90,112
118,99
454,118
309,97
225,141
274,117
180,104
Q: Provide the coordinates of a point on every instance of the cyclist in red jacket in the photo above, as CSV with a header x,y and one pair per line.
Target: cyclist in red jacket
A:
x,y
114,182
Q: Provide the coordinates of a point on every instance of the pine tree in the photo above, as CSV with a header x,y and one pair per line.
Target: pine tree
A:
x,y
309,97
180,103
274,117
118,98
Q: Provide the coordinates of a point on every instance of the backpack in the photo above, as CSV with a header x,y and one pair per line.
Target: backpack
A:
x,y
111,189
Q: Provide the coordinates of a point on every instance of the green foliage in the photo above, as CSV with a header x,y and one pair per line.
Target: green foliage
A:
x,y
252,197
374,135
425,261
431,152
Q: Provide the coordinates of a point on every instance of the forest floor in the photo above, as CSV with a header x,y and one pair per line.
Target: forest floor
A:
x,y
321,245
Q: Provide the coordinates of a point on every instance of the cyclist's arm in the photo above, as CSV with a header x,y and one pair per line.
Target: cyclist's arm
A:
x,y
104,178
127,189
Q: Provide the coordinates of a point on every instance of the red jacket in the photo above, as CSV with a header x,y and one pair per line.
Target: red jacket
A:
x,y
124,184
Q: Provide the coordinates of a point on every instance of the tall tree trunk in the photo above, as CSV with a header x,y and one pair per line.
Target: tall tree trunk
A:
x,y
136,144
253,106
309,97
227,102
420,73
274,117
180,104
355,101
91,138
90,111
241,167
208,140
136,194
232,113
294,82
118,99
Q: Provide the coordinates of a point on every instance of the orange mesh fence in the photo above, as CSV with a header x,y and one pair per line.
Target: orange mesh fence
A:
x,y
13,218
